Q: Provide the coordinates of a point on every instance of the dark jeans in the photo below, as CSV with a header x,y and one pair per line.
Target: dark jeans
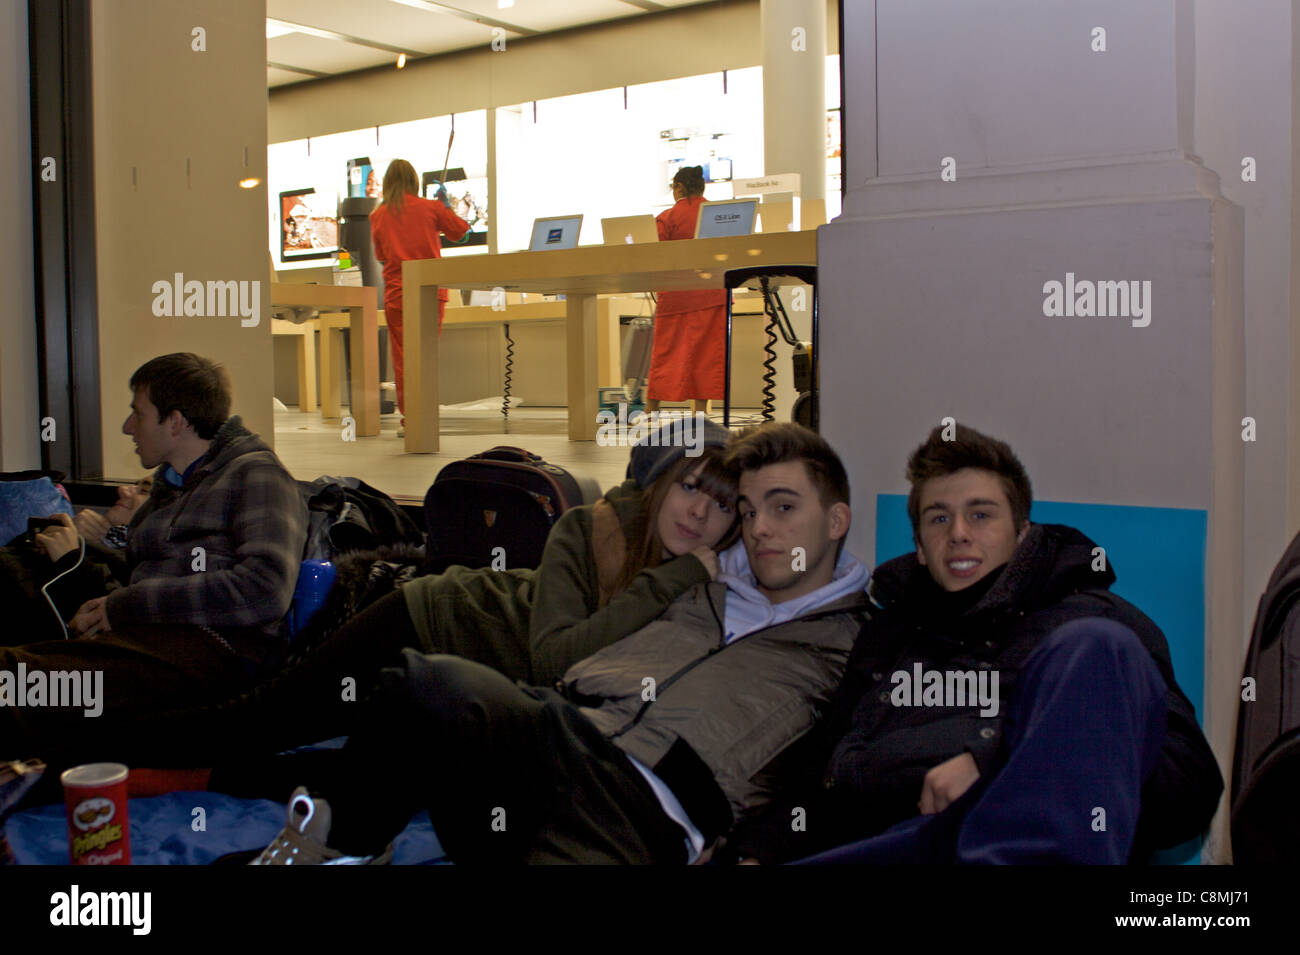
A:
x,y
1084,731
508,773
132,674
317,697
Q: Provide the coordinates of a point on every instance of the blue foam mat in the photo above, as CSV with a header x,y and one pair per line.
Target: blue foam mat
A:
x,y
163,831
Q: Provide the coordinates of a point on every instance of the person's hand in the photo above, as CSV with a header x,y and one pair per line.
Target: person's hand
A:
x,y
709,558
706,855
58,540
945,783
92,526
91,619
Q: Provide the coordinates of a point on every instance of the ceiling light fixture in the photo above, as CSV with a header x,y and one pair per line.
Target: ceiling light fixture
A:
x,y
401,60
275,28
249,183
450,10
302,28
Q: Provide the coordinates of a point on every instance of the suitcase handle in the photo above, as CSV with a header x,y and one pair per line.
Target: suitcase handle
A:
x,y
506,453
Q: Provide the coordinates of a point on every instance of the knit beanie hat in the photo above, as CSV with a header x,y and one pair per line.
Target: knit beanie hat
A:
x,y
663,447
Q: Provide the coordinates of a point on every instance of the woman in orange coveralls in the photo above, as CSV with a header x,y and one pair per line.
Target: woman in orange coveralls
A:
x,y
406,226
690,337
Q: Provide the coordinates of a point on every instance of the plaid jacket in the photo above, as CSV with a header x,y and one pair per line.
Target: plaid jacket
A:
x,y
244,510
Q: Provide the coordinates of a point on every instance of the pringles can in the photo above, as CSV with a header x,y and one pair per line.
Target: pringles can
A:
x,y
98,830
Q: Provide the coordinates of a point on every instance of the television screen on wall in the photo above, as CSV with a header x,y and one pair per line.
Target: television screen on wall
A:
x,y
364,179
309,225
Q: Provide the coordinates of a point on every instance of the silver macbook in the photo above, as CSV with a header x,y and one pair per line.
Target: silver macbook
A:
x,y
629,230
726,218
555,232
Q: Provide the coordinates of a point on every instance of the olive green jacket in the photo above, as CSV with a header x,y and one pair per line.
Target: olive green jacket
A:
x,y
532,625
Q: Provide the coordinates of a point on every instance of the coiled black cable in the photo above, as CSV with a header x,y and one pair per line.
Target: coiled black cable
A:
x,y
510,365
769,372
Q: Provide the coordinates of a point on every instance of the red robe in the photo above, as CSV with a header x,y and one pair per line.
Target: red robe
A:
x,y
410,234
690,338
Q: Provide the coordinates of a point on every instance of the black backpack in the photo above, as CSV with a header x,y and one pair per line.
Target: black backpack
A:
x,y
346,514
497,509
1266,767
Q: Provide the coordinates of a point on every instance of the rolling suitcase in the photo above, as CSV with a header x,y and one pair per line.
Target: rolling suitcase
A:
x,y
496,509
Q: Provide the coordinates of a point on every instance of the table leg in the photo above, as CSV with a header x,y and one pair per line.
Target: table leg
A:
x,y
331,372
307,368
420,348
580,334
363,335
609,361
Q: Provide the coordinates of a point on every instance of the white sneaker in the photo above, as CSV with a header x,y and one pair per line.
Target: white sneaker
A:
x,y
302,840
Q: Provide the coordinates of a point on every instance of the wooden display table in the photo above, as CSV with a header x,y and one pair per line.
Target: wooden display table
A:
x,y
363,331
580,275
609,310
306,334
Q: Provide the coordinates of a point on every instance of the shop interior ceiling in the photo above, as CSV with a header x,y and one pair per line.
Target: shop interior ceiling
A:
x,y
307,39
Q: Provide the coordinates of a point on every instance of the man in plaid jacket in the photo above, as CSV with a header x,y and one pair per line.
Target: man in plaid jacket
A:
x,y
214,556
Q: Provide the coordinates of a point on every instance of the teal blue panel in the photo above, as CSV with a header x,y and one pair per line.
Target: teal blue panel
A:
x,y
1157,553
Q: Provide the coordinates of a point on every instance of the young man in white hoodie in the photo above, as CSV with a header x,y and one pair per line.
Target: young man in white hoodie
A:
x,y
647,751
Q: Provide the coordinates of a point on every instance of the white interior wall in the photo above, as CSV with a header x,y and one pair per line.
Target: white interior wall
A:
x,y
169,154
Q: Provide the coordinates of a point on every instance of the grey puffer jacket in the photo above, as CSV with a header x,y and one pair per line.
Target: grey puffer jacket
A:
x,y
708,717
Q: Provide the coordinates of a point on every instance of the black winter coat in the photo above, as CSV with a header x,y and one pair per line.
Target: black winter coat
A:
x,y
865,766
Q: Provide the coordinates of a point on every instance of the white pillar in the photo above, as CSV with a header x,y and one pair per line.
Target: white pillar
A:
x,y
794,97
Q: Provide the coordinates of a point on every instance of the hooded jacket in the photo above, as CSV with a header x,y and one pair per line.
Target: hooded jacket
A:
x,y
222,551
865,770
709,717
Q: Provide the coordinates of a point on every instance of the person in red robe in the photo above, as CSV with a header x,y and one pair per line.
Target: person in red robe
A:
x,y
407,226
688,361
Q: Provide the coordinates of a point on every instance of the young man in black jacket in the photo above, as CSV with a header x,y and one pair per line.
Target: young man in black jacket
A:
x,y
1002,705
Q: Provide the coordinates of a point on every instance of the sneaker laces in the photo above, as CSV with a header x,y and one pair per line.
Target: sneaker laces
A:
x,y
302,840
